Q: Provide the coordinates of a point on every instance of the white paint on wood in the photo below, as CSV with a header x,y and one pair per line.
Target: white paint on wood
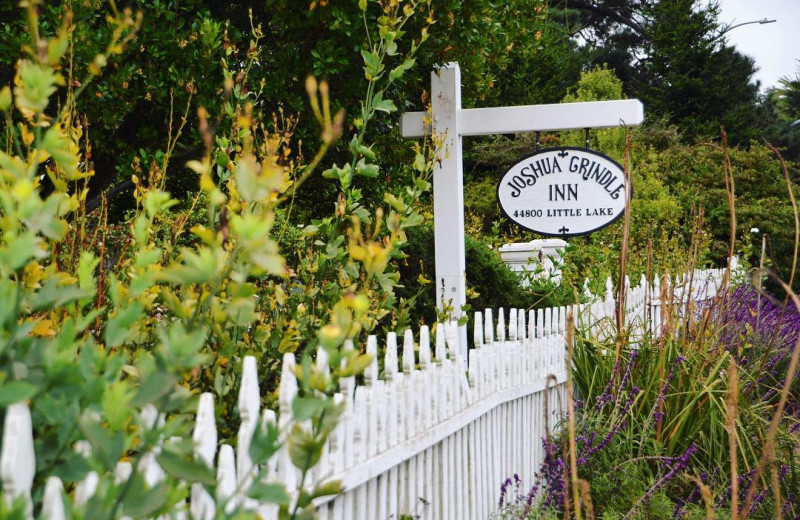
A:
x,y
534,118
17,459
53,500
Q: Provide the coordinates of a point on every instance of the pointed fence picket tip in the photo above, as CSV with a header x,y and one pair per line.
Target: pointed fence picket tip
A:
x,y
323,361
205,430
408,352
477,331
371,372
287,388
17,459
441,345
424,347
501,325
512,324
53,501
390,358
451,336
226,478
531,324
488,327
122,471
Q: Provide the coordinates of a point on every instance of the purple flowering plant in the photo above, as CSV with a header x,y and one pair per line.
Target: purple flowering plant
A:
x,y
658,413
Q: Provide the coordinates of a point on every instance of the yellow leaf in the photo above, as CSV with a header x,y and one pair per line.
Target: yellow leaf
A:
x,y
27,135
44,328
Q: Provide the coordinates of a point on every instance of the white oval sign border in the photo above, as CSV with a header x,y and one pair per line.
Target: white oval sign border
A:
x,y
628,186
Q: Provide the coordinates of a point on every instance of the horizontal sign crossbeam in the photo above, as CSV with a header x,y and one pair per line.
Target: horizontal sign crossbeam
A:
x,y
533,118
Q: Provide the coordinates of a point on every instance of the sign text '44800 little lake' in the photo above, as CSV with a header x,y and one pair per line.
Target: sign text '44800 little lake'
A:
x,y
563,192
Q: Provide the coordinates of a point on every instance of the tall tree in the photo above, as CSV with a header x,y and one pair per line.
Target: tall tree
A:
x,y
673,55
692,78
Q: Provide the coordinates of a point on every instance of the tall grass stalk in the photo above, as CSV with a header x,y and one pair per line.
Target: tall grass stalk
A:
x,y
732,409
790,189
573,450
623,258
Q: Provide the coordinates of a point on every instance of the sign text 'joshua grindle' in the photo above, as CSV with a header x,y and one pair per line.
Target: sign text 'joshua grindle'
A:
x,y
563,192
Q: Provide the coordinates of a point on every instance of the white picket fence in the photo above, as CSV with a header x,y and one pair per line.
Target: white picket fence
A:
x,y
648,305
429,439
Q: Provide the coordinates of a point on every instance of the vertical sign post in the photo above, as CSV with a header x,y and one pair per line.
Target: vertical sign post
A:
x,y
448,210
451,122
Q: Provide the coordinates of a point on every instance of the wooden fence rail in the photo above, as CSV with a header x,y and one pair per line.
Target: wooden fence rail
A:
x,y
428,438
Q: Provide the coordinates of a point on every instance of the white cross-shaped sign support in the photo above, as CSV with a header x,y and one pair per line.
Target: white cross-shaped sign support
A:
x,y
452,122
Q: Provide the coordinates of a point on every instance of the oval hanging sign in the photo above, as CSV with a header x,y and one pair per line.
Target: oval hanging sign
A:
x,y
563,192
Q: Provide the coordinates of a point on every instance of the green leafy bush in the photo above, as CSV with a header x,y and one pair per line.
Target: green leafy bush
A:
x,y
111,332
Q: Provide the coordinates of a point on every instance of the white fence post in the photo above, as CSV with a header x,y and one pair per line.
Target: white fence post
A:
x,y
17,459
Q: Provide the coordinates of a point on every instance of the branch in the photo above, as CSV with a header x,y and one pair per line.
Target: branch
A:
x,y
94,203
609,12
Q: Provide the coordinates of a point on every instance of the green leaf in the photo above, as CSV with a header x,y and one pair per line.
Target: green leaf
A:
x,y
304,450
16,392
264,444
394,202
269,493
304,408
116,404
36,85
385,105
86,267
119,326
413,220
5,98
53,295
72,468
356,365
310,230
148,256
373,65
24,247
397,72
145,505
184,468
155,386
107,445
419,162
367,170
333,487
59,147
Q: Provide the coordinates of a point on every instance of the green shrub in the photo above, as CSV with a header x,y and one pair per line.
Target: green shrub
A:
x,y
102,324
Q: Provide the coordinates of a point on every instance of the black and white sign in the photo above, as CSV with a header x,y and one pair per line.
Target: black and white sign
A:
x,y
563,192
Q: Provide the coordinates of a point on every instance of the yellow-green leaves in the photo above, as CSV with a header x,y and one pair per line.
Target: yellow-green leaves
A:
x,y
5,98
197,267
63,151
304,449
56,47
157,201
116,404
373,65
34,85
19,251
119,327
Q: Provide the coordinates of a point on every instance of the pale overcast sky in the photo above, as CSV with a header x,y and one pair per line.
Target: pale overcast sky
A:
x,y
774,46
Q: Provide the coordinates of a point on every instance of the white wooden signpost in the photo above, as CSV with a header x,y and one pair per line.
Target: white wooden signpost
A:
x,y
452,122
